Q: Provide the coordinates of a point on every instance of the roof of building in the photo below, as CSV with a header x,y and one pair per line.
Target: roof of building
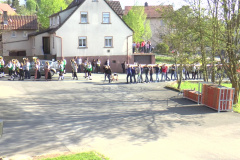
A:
x,y
113,5
116,6
6,7
151,11
16,22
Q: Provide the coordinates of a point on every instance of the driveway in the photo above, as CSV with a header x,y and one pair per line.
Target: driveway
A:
x,y
121,121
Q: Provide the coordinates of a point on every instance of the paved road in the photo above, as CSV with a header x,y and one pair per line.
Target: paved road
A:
x,y
123,122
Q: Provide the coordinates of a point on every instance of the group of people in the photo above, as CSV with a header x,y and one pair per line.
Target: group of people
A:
x,y
143,47
148,71
16,69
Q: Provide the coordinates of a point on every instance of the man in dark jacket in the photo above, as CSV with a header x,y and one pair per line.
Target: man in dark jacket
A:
x,y
108,72
129,73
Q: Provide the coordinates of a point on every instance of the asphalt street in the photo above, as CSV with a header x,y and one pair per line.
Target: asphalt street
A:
x,y
121,121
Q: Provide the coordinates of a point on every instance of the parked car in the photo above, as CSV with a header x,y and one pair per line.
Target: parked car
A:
x,y
53,67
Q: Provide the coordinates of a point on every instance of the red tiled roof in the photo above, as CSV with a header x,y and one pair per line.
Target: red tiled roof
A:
x,y
19,23
151,11
116,6
6,7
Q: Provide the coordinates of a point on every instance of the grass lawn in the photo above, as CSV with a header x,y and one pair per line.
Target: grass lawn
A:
x,y
164,59
80,156
192,85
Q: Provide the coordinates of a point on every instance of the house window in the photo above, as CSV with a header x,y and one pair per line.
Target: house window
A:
x,y
82,42
14,34
25,34
57,20
108,41
84,17
106,17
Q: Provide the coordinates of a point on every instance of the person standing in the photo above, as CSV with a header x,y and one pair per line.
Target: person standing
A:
x,y
164,73
46,70
173,72
64,65
137,47
75,70
21,72
98,65
133,47
37,67
79,63
157,73
89,70
9,66
129,73
193,72
108,72
140,70
61,70
107,63
94,64
151,73
134,74
2,63
146,74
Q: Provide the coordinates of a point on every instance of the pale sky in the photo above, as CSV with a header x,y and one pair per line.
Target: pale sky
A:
x,y
176,3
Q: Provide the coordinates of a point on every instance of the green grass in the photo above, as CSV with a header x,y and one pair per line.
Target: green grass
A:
x,y
164,59
192,85
80,156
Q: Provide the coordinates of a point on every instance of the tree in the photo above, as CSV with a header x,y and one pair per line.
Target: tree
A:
x,y
47,8
136,19
181,38
31,6
162,48
15,4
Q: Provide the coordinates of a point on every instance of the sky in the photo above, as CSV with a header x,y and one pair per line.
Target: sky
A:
x,y
176,3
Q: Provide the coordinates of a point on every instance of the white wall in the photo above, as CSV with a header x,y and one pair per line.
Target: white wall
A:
x,y
37,49
95,32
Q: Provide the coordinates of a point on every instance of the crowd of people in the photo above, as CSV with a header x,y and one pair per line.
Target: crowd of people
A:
x,y
135,73
142,47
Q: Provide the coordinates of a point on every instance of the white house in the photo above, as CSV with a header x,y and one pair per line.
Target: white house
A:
x,y
87,28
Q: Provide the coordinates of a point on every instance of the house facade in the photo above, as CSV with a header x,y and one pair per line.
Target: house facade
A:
x,y
90,29
14,39
158,27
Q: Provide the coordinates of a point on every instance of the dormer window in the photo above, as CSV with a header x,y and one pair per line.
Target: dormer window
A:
x,y
84,17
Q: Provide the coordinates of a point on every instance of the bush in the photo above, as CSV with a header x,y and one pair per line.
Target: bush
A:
x,y
161,48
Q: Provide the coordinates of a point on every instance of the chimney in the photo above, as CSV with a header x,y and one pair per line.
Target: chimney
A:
x,y
146,4
5,18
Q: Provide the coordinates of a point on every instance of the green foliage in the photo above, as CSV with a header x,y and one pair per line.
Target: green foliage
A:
x,y
164,59
161,48
80,156
31,6
47,8
136,19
